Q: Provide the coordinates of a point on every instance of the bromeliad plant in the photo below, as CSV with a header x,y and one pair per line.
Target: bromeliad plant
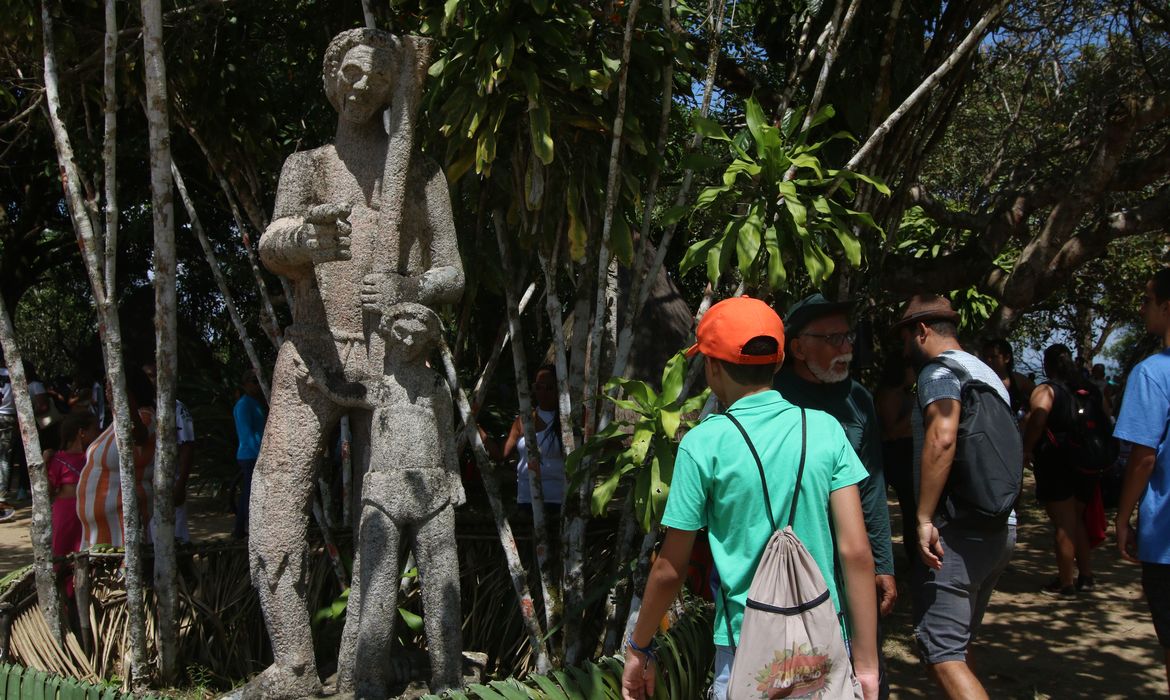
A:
x,y
648,460
781,202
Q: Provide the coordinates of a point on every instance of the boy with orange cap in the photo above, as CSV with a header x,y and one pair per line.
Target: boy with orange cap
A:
x,y
716,485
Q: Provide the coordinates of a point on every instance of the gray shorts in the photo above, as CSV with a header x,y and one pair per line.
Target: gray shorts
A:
x,y
949,603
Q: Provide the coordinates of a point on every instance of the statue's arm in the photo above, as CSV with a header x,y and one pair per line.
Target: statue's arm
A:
x,y
445,414
303,232
443,282
281,246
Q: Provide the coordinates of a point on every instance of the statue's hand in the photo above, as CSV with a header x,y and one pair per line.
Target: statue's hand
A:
x,y
382,289
326,233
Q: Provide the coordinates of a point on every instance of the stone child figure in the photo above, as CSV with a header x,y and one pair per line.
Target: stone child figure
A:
x,y
411,489
359,224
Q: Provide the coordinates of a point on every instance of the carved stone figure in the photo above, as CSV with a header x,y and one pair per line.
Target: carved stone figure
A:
x,y
359,224
411,489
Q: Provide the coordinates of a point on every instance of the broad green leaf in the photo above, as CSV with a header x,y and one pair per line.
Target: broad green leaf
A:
x,y
414,622
603,493
531,84
578,236
511,689
849,244
765,135
823,115
750,238
777,274
714,261
484,692
810,162
546,685
669,421
696,254
799,213
673,377
542,142
699,161
740,166
437,67
877,183
709,195
507,49
673,215
709,128
695,402
621,241
639,391
792,121
449,8
640,442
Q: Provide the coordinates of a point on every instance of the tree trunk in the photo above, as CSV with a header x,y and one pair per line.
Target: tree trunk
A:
x,y
220,280
552,601
111,335
507,539
41,530
166,337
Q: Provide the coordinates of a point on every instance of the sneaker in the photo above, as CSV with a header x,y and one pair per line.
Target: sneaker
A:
x,y
7,514
1053,588
1086,584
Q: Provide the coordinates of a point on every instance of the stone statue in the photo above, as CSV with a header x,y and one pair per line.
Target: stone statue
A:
x,y
411,488
359,225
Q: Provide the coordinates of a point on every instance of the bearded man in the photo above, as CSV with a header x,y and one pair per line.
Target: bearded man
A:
x,y
816,376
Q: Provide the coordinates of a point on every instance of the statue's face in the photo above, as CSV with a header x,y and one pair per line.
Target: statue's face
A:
x,y
364,84
413,336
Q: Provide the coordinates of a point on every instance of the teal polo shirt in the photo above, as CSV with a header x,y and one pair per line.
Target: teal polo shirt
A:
x,y
716,485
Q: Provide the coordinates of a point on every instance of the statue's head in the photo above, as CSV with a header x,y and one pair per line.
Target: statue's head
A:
x,y
412,330
359,73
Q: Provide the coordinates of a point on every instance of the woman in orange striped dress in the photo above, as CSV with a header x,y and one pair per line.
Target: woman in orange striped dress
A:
x,y
99,490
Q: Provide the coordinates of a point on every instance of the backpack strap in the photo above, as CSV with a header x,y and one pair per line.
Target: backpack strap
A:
x,y
767,499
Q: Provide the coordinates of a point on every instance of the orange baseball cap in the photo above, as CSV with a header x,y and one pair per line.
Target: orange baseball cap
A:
x,y
730,324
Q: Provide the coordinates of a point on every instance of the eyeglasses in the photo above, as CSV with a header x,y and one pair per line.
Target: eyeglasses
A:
x,y
833,339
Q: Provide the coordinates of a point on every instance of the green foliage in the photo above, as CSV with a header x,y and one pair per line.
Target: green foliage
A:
x,y
777,200
685,653
648,460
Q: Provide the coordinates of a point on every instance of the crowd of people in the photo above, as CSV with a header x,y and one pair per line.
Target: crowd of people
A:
x,y
951,433
948,431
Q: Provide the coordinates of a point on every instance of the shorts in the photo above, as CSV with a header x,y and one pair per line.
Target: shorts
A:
x,y
1156,586
949,603
1058,483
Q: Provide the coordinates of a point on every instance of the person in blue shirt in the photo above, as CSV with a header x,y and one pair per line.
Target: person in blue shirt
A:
x,y
1142,422
250,415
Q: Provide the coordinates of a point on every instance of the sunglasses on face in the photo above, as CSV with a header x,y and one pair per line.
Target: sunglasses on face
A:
x,y
834,339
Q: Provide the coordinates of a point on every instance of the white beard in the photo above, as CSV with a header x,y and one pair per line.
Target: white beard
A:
x,y
838,371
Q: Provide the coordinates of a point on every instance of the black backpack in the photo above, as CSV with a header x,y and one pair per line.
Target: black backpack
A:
x,y
1079,434
988,469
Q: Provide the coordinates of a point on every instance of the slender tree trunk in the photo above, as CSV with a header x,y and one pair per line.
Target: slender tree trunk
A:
x,y
617,603
268,319
166,337
220,280
110,142
507,538
111,335
552,599
489,369
41,530
973,37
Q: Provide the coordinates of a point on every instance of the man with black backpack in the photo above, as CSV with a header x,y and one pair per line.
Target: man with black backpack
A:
x,y
743,474
968,468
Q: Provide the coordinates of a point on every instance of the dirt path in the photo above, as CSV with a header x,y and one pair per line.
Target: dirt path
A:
x,y
206,517
1100,645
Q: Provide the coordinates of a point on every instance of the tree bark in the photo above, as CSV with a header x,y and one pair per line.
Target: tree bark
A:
x,y
166,336
110,330
507,538
220,280
552,598
41,529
